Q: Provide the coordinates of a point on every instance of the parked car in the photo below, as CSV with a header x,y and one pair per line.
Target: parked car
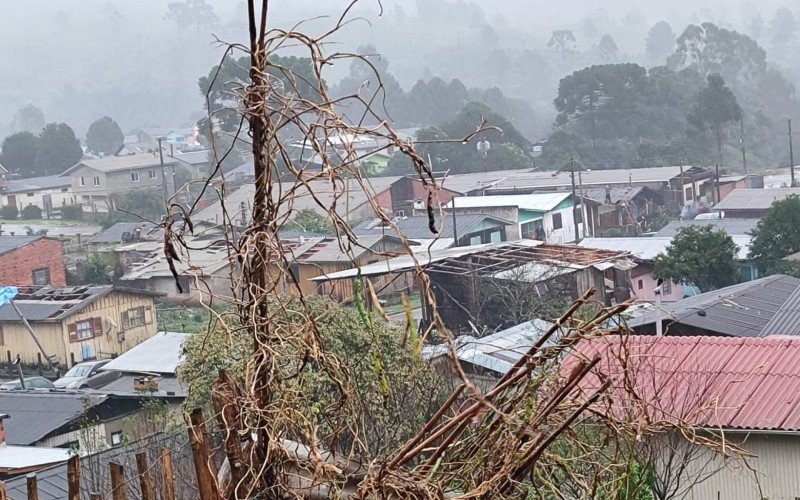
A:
x,y
30,383
85,375
709,216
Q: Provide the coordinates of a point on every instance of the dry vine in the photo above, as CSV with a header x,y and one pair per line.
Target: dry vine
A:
x,y
524,436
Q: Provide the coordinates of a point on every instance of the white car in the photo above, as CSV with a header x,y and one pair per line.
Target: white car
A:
x,y
708,216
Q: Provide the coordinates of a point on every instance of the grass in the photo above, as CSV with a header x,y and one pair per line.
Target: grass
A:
x,y
177,318
413,301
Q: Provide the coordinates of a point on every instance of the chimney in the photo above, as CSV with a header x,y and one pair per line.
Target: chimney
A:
x,y
3,416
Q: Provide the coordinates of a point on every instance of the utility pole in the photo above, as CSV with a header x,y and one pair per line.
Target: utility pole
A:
x,y
574,205
163,170
791,153
741,140
455,227
717,183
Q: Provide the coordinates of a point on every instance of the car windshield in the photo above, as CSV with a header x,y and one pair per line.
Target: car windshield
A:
x,y
78,371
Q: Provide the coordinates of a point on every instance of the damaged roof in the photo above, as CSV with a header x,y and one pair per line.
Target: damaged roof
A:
x,y
48,303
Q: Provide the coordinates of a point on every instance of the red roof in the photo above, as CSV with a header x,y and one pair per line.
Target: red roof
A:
x,y
727,382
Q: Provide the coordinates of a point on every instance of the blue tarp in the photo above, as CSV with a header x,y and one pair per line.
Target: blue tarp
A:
x,y
7,294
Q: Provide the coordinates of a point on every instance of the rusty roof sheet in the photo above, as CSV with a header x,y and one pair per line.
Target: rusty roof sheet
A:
x,y
712,382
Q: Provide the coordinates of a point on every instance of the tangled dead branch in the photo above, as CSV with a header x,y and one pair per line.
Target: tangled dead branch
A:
x,y
529,434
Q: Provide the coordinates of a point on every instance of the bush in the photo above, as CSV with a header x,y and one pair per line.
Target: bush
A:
x,y
72,212
31,212
9,212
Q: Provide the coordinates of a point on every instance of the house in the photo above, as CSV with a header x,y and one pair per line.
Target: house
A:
x,y
52,482
694,182
746,388
198,162
471,229
150,367
409,196
122,233
758,308
83,421
646,249
94,180
47,193
74,324
347,195
734,227
752,203
728,183
31,260
625,209
323,256
472,284
549,217
16,460
203,274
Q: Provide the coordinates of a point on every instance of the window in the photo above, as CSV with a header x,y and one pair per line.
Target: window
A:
x,y
579,215
134,176
29,195
41,276
82,182
495,237
528,231
136,316
689,194
116,438
84,329
2,337
64,190
640,285
96,181
557,224
666,287
151,174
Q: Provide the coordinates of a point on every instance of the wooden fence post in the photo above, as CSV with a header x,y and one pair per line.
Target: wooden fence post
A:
x,y
117,481
3,495
74,478
202,457
33,488
227,418
144,476
166,474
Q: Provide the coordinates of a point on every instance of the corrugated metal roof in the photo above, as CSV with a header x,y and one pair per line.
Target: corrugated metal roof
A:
x,y
114,233
125,162
21,457
161,353
731,226
757,308
328,249
417,227
54,303
35,184
35,414
193,157
499,351
539,202
754,199
8,243
648,247
733,383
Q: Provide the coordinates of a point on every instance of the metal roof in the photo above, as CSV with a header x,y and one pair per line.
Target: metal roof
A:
x,y
36,414
508,180
35,184
754,199
499,351
193,157
13,458
618,194
161,353
47,303
8,243
114,233
648,247
168,386
711,382
125,162
328,249
503,256
757,308
418,227
539,202
730,226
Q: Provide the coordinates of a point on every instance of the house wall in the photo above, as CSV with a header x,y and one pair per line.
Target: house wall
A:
x,y
16,340
725,189
115,339
96,197
58,198
643,283
777,458
16,266
567,232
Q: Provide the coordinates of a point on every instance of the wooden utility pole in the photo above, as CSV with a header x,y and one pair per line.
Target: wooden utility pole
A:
x,y
741,140
791,153
574,205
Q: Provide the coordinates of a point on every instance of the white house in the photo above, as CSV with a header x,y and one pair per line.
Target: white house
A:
x,y
47,193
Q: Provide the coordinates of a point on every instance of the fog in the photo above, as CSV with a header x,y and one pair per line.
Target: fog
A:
x,y
78,61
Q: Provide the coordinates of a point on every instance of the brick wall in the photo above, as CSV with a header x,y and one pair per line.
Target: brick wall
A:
x,y
17,266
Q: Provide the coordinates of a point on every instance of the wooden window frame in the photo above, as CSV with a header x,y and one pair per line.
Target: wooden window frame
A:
x,y
96,329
